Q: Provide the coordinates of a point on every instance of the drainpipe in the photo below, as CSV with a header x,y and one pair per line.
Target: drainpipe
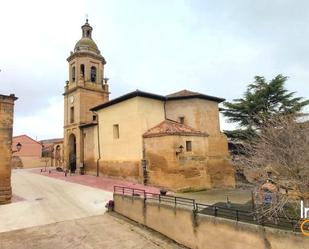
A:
x,y
99,151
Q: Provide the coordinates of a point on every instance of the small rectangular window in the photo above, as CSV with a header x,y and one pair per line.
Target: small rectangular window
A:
x,y
72,114
188,146
116,131
182,120
94,118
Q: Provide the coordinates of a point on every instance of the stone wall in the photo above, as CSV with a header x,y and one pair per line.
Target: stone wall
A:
x,y
128,170
202,231
188,170
6,128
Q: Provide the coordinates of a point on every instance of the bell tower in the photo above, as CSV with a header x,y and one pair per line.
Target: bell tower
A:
x,y
85,89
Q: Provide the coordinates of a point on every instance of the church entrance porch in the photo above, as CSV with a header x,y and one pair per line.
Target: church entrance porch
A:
x,y
72,153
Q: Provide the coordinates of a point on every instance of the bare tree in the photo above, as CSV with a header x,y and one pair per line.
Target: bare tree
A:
x,y
280,154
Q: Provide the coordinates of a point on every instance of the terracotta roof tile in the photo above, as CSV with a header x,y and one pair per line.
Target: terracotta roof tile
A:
x,y
186,94
170,127
183,93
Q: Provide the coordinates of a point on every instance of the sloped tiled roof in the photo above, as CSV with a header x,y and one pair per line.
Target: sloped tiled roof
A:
x,y
136,93
186,94
182,93
51,141
170,127
88,125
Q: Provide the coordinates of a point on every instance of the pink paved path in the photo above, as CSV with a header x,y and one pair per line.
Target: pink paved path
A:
x,y
100,182
16,198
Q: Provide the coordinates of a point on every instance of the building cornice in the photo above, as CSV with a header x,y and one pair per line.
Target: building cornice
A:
x,y
86,54
83,88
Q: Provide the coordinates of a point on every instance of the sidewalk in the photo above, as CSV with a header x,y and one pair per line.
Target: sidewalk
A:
x,y
100,182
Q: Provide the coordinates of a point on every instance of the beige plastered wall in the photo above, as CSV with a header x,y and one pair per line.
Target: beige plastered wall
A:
x,y
200,114
121,157
202,231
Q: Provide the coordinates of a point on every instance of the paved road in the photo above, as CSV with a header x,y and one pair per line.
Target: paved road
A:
x,y
96,232
48,200
61,214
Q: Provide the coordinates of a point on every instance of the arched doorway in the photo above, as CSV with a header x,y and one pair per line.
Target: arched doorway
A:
x,y
72,153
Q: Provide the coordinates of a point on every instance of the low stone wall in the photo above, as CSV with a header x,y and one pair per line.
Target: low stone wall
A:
x,y
202,231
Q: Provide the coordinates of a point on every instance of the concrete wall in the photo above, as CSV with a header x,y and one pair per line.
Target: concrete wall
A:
x,y
6,130
204,231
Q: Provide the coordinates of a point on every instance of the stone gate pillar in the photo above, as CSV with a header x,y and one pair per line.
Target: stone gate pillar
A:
x,y
6,128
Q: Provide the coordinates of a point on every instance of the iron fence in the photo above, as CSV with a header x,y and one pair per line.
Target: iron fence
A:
x,y
212,210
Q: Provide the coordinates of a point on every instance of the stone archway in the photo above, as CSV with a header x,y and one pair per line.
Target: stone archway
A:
x,y
72,153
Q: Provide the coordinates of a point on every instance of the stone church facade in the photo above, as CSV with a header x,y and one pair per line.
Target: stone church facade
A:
x,y
171,141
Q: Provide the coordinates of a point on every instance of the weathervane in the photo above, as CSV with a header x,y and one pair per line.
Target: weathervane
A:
x,y
86,15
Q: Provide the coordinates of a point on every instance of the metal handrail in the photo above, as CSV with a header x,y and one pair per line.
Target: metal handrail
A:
x,y
206,209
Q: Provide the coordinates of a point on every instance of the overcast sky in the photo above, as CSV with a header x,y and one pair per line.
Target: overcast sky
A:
x,y
160,46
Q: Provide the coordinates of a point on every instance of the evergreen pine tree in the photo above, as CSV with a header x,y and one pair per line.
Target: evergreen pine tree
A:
x,y
262,100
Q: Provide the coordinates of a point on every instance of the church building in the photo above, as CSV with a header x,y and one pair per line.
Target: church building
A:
x,y
171,141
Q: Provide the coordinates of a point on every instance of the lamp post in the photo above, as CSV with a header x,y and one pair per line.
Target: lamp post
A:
x,y
18,147
179,150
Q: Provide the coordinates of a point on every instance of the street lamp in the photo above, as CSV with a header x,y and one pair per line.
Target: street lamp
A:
x,y
18,147
179,150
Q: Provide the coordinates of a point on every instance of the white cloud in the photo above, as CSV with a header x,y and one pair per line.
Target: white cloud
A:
x,y
47,123
215,47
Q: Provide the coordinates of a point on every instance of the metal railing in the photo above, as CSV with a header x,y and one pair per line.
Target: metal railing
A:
x,y
212,210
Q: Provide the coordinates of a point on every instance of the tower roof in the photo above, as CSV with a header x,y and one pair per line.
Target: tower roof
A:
x,y
86,44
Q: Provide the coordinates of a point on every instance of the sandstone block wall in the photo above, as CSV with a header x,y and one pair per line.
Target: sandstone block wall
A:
x,y
128,170
6,128
189,170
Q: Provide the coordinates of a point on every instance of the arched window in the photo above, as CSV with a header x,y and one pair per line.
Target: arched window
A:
x,y
93,74
73,74
82,70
